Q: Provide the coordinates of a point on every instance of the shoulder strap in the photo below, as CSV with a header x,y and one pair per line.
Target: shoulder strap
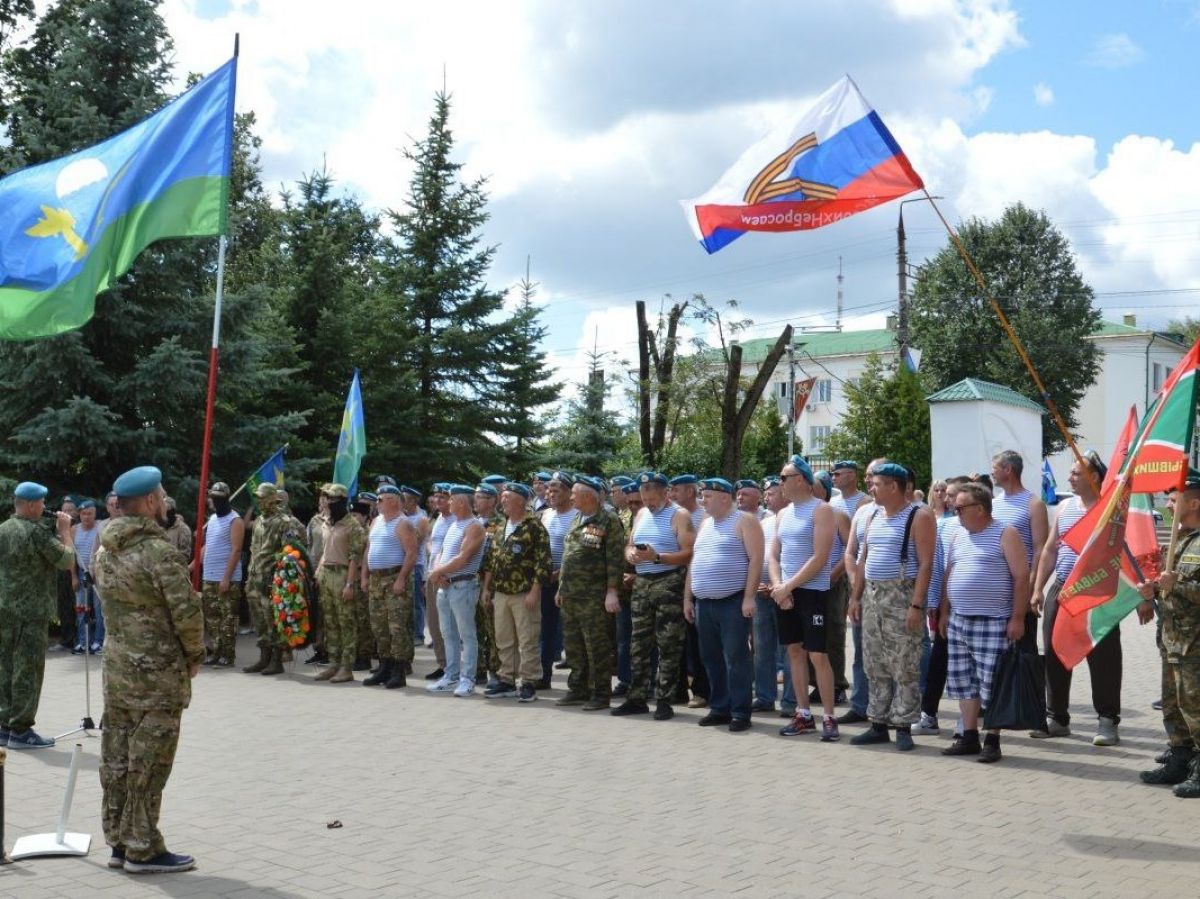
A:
x,y
866,544
912,513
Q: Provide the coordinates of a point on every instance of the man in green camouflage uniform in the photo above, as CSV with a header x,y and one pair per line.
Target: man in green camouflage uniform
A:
x,y
154,647
1178,594
221,585
343,541
31,555
274,529
387,580
590,576
631,502
486,498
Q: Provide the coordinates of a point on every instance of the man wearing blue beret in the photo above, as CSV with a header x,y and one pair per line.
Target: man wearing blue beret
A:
x,y
155,646
31,554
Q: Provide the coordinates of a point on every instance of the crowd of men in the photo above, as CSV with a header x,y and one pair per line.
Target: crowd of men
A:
x,y
682,590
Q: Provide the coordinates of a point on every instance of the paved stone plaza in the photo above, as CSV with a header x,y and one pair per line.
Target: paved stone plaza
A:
x,y
440,796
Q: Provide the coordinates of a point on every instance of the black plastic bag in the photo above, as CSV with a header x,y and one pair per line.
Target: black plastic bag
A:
x,y
1018,692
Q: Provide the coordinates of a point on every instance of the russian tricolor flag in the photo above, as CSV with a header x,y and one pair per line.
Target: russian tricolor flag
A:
x,y
837,160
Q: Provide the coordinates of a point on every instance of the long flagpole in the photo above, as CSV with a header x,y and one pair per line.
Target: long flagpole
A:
x,y
213,358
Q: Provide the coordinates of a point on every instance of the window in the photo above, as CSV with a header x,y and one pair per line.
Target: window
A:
x,y
817,435
823,391
1160,375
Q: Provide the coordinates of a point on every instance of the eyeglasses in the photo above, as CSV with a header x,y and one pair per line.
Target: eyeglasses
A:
x,y
958,510
784,477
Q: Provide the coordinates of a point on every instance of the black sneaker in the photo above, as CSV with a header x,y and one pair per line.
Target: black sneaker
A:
x,y
631,707
117,859
963,746
543,684
595,704
663,711
839,697
762,705
990,753
712,719
436,674
571,699
801,724
904,740
872,735
737,725
163,863
527,693
851,717
28,739
620,690
500,690
561,666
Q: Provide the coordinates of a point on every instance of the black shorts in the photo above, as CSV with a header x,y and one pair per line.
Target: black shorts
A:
x,y
804,622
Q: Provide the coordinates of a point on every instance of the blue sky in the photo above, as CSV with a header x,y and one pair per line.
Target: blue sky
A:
x,y
592,120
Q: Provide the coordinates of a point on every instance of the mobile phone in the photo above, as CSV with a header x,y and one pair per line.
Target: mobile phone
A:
x,y
641,546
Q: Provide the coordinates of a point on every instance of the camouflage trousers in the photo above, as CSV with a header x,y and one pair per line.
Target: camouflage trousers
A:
x,y
220,616
23,642
365,642
340,623
137,749
391,615
485,628
590,639
1181,702
657,606
891,653
268,634
835,633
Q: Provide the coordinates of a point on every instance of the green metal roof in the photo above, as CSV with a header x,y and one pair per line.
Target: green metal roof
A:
x,y
1118,329
972,389
826,343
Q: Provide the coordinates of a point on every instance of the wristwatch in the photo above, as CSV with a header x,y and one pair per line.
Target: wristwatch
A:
x,y
657,558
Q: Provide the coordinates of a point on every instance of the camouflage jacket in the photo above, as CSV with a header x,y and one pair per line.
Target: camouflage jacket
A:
x,y
179,535
626,593
271,533
1180,609
593,556
519,560
489,528
351,534
30,556
155,628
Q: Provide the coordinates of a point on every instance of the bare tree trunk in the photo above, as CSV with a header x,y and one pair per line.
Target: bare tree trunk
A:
x,y
734,419
665,371
644,339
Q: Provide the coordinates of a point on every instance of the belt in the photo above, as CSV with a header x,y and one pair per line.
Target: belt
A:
x,y
458,579
394,568
336,565
737,595
655,575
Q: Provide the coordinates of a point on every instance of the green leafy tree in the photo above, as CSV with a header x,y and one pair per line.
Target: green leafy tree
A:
x,y
1187,327
590,434
886,415
765,448
1030,269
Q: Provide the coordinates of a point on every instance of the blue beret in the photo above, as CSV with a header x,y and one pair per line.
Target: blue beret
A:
x,y
30,491
891,470
1192,481
826,480
561,477
461,490
620,480
137,482
596,484
718,484
387,490
653,477
88,504
487,490
518,487
771,480
630,488
410,491
845,463
385,479
801,465
743,483
543,476
367,496
495,480
683,479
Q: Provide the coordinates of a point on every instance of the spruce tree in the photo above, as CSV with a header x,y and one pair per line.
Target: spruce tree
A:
x,y
590,434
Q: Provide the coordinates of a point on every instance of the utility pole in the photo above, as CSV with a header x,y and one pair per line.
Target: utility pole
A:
x,y
839,295
791,395
902,279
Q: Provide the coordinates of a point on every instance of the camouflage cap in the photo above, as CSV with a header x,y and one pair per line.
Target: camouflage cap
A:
x,y
219,488
336,491
266,490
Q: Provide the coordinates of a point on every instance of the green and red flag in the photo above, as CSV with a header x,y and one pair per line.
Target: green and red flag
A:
x,y
1159,459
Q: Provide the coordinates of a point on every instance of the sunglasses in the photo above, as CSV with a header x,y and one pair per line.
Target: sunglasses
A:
x,y
958,510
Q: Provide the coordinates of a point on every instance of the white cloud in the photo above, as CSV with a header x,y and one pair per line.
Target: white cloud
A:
x,y
1114,51
1043,94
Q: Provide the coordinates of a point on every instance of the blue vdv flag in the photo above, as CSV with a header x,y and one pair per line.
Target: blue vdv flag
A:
x,y
270,472
1049,485
352,441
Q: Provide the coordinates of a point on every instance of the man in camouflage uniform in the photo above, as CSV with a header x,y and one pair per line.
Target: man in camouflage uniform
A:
x,y
221,584
588,581
486,498
313,532
514,569
155,646
273,530
178,533
627,508
343,540
1178,594
31,555
386,579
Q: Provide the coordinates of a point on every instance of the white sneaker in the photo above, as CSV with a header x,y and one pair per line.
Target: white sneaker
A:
x,y
1053,729
466,686
926,727
442,685
1106,733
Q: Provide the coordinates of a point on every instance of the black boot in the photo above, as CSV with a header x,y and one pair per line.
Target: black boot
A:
x,y
1173,771
275,661
381,674
1190,788
264,656
396,676
362,663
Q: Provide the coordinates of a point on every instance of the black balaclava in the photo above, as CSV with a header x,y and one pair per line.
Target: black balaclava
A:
x,y
221,505
338,509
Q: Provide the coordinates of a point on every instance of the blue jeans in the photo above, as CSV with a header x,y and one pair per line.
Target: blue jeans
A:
x,y
419,605
456,614
624,638
97,625
769,657
724,634
860,694
552,635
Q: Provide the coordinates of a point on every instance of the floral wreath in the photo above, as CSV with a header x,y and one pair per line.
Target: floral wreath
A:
x,y
289,597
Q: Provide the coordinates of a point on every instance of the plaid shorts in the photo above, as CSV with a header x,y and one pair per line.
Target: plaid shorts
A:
x,y
975,644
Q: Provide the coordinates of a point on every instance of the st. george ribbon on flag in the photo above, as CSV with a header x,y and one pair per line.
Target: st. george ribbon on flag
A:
x,y
836,160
